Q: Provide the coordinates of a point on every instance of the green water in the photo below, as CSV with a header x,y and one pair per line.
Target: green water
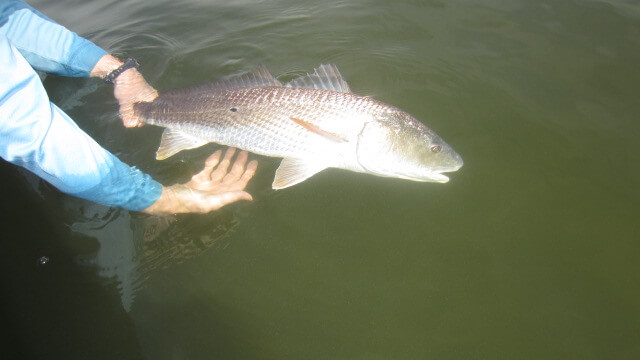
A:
x,y
529,252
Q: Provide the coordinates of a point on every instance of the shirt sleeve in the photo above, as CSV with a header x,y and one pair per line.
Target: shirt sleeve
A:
x,y
37,135
46,45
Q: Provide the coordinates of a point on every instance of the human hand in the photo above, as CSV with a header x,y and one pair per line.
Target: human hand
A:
x,y
129,88
210,189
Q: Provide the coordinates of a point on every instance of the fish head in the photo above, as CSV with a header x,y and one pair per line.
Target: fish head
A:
x,y
395,144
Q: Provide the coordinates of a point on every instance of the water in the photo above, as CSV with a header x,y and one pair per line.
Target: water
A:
x,y
529,252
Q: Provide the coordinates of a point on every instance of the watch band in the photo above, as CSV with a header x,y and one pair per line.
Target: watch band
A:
x,y
128,64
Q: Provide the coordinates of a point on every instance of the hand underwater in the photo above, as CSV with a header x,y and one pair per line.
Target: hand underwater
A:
x,y
210,189
129,88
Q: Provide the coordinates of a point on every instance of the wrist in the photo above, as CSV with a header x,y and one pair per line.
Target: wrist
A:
x,y
129,76
105,65
108,65
161,205
129,63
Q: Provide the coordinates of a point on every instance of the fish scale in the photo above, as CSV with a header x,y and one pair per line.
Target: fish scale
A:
x,y
313,122
262,121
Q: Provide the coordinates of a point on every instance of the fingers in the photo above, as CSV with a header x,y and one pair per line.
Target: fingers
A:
x,y
131,122
130,87
149,94
246,176
129,119
241,173
237,169
204,176
223,166
212,160
214,178
222,175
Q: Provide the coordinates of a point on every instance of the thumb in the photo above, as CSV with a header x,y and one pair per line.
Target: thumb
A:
x,y
215,202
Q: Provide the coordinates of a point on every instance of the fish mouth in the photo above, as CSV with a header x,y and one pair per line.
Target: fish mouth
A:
x,y
438,177
429,177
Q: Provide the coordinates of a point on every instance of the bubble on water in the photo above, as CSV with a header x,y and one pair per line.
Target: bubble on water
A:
x,y
43,260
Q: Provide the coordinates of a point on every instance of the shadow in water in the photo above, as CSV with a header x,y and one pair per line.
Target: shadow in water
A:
x,y
132,246
51,309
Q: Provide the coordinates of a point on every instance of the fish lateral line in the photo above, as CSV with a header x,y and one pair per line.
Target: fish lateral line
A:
x,y
317,130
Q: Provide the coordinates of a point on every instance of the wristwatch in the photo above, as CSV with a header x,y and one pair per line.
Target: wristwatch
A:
x,y
128,64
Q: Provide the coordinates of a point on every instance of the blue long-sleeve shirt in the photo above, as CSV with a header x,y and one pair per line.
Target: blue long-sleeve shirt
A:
x,y
36,134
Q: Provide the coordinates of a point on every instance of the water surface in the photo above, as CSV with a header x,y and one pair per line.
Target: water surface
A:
x,y
529,252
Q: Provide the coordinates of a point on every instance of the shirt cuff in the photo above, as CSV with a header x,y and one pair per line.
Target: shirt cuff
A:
x,y
123,186
84,57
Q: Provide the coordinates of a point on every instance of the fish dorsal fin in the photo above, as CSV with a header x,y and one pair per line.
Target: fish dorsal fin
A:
x,y
293,171
258,76
325,77
175,141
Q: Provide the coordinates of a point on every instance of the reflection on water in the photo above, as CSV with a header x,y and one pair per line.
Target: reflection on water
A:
x,y
132,247
117,258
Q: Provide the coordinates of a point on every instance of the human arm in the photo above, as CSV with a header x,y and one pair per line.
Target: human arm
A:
x,y
40,137
45,44
51,48
37,135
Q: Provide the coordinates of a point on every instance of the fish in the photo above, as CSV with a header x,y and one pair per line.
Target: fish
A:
x,y
313,122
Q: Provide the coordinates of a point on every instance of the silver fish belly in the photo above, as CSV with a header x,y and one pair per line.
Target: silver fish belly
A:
x,y
313,122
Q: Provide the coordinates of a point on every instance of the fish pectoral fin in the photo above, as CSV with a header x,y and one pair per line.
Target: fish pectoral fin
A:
x,y
175,141
317,130
293,171
325,77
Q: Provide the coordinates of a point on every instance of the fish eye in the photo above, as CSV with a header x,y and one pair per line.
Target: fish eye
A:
x,y
233,109
436,148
